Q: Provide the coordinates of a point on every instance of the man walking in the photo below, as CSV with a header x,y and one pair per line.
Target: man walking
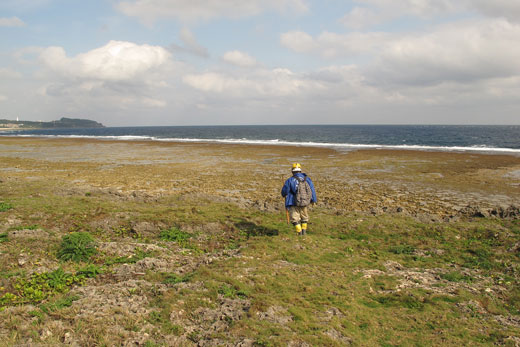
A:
x,y
299,193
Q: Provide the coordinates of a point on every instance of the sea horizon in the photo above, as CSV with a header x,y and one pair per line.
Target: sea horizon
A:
x,y
436,137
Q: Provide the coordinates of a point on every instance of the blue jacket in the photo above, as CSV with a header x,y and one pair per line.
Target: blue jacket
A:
x,y
290,188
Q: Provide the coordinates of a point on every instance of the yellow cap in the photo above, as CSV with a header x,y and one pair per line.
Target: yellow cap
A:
x,y
296,167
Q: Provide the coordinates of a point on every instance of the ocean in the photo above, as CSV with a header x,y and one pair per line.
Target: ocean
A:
x,y
478,138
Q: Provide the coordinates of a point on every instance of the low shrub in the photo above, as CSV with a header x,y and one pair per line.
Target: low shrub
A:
x,y
77,246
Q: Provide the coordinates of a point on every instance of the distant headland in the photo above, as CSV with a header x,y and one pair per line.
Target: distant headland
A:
x,y
61,123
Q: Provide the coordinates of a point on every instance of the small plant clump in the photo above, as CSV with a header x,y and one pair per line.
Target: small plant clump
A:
x,y
90,271
40,286
3,237
176,235
5,206
77,246
173,278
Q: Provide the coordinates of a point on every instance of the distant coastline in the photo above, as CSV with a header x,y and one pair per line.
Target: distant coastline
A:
x,y
62,123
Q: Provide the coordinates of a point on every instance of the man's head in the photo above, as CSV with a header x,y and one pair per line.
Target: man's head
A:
x,y
296,167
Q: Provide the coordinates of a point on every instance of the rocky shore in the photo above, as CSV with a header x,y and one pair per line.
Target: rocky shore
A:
x,y
427,185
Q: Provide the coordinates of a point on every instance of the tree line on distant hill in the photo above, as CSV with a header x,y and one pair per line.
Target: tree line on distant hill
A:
x,y
61,123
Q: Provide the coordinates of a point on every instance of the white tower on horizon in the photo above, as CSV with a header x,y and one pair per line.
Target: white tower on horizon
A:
x,y
17,119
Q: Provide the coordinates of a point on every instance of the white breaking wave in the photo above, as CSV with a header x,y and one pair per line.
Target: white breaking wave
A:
x,y
276,142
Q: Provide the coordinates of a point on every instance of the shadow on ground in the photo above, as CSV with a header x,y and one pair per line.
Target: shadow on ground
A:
x,y
252,229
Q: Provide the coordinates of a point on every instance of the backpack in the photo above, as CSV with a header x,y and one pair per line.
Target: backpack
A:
x,y
303,192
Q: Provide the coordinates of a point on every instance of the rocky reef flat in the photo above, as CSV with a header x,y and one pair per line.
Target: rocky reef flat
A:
x,y
437,185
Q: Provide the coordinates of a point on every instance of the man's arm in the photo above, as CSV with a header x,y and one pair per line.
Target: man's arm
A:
x,y
285,189
314,198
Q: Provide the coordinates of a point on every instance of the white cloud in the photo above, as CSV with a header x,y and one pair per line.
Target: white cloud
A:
x,y
374,12
509,9
261,83
361,17
462,52
190,44
333,45
11,22
119,74
192,10
9,74
420,8
298,41
116,61
239,59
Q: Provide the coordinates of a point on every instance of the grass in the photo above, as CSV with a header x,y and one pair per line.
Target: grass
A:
x,y
174,234
5,206
296,289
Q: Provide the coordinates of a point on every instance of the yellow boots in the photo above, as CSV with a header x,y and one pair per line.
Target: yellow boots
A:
x,y
301,229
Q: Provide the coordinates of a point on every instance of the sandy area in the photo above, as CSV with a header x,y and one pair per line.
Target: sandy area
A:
x,y
427,184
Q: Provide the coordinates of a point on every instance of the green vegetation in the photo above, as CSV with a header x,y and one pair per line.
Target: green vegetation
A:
x,y
58,304
367,280
5,206
61,123
77,246
175,235
172,278
90,271
40,286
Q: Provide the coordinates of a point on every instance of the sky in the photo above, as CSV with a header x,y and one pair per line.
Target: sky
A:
x,y
223,62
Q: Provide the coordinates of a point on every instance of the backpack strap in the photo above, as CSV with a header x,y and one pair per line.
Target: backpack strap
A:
x,y
299,179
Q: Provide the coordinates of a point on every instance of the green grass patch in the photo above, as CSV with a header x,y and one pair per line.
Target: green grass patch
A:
x,y
402,249
4,237
162,320
172,278
58,304
456,276
5,206
231,292
26,227
478,258
400,299
90,271
174,234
